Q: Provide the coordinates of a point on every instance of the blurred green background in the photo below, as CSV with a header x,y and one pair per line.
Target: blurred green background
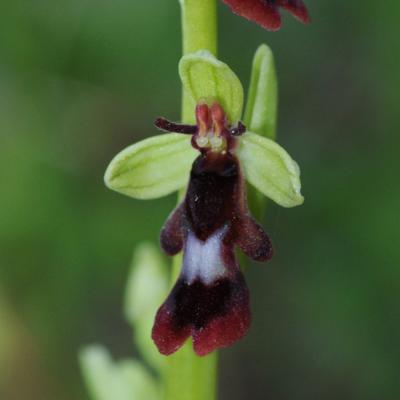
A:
x,y
80,80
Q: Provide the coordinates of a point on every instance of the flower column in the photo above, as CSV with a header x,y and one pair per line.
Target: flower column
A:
x,y
188,376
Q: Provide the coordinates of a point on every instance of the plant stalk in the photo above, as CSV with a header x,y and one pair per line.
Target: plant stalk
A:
x,y
199,32
188,376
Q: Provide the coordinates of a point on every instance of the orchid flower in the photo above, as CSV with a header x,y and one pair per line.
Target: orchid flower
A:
x,y
212,157
266,12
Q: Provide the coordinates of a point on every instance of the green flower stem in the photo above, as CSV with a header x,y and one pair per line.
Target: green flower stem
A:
x,y
199,25
188,376
199,32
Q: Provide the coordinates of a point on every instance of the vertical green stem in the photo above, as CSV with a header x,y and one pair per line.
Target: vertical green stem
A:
x,y
187,376
199,32
199,25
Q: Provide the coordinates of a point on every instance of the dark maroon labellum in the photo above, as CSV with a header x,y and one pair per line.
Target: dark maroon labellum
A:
x,y
210,300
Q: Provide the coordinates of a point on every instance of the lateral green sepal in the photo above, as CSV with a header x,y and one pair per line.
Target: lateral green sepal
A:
x,y
153,167
270,169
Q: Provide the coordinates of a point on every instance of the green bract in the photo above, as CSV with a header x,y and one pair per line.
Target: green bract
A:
x,y
146,288
152,168
124,380
130,379
206,78
270,169
160,165
261,108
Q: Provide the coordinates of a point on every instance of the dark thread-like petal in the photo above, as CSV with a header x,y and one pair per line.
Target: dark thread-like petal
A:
x,y
168,126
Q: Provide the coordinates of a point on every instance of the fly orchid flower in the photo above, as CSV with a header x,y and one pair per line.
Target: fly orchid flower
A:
x,y
212,156
266,12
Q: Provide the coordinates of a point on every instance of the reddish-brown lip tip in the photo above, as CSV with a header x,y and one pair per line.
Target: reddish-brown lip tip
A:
x,y
216,315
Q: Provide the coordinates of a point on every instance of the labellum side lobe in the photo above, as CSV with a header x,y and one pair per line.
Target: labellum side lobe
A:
x,y
210,300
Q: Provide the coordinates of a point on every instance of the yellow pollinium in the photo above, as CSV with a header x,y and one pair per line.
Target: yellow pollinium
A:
x,y
211,141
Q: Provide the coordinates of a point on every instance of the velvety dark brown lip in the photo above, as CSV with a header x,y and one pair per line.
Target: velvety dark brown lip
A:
x,y
216,313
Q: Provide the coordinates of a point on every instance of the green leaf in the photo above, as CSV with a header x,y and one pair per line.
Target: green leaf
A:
x,y
207,79
109,380
146,289
261,108
152,168
270,169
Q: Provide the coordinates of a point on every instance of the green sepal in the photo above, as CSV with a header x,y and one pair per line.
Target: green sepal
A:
x,y
205,78
153,167
146,289
270,169
261,108
123,380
